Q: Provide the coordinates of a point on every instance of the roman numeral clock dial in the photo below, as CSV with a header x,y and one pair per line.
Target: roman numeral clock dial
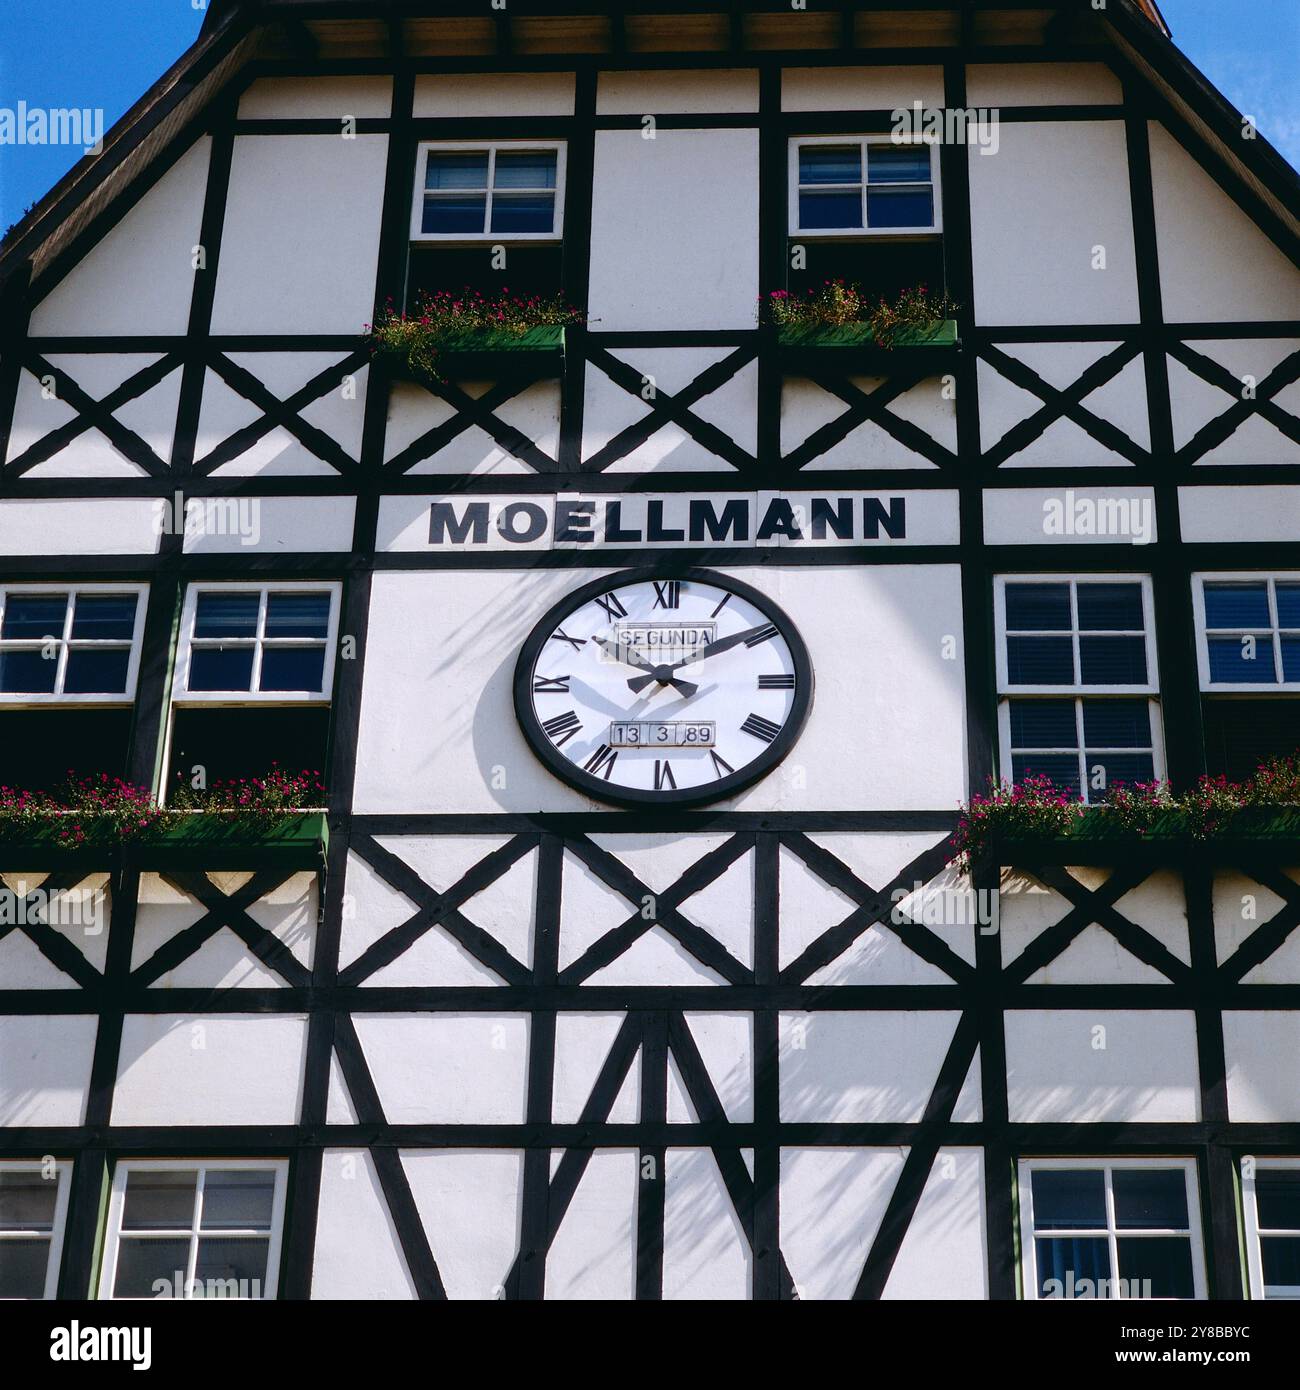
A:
x,y
643,690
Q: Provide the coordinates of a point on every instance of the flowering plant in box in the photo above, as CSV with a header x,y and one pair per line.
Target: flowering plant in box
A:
x,y
85,810
447,318
837,304
252,801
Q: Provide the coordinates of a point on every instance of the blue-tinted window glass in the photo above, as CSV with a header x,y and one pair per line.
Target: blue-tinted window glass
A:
x,y
1110,607
1071,1266
297,615
1291,660
1288,605
1164,1261
1236,605
292,668
34,615
1149,1198
92,671
1061,769
1038,607
1069,1199
456,169
1119,769
1117,723
158,1200
524,169
1043,724
1235,661
826,210
27,673
457,213
1113,660
237,1199
898,164
523,212
216,668
104,617
226,615
1277,1198
1040,661
903,207
1280,1256
830,164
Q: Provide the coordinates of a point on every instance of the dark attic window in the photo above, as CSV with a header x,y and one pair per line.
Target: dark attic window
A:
x,y
865,210
487,218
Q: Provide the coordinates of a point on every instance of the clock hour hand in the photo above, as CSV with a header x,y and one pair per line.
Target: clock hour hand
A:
x,y
721,645
662,674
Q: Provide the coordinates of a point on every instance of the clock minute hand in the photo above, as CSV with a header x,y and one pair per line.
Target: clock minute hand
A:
x,y
721,645
656,673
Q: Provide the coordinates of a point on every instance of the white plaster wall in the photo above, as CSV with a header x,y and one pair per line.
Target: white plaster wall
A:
x,y
706,1255
943,1254
662,93
316,98
301,240
1058,1071
140,277
495,94
674,230
860,88
78,526
86,908
1042,84
593,1255
277,524
1216,265
807,407
447,1068
210,1069
413,412
358,1254
1264,512
1241,908
437,718
1020,516
45,1068
861,1067
1262,1048
1053,192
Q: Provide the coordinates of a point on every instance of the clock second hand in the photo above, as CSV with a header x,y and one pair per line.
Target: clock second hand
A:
x,y
663,673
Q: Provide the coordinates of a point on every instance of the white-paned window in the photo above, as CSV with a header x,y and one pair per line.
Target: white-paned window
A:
x,y
494,191
1249,632
863,185
33,1208
1111,1228
1076,665
208,1229
243,643
70,643
1270,1190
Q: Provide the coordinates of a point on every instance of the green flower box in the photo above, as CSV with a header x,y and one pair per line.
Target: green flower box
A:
x,y
548,336
860,335
200,840
488,354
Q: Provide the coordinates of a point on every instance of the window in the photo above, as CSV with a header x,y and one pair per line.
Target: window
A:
x,y
1077,673
33,1207
863,186
194,1230
500,191
244,643
70,644
1248,640
1111,1228
1270,1189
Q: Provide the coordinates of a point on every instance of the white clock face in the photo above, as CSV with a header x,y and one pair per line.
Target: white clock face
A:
x,y
645,689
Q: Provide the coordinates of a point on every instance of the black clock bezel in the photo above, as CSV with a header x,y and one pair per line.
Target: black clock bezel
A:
x,y
596,787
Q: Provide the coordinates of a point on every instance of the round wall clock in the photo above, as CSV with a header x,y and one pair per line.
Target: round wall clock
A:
x,y
650,690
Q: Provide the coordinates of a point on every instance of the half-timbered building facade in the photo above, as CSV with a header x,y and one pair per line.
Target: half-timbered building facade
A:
x,y
534,1009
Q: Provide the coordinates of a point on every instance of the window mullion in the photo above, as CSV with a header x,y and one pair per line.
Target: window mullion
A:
x,y
1112,1237
196,1219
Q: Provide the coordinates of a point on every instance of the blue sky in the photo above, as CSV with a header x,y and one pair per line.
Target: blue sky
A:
x,y
105,53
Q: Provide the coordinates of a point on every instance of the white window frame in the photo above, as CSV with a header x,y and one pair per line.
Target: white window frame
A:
x,y
490,147
67,641
1254,1251
63,1172
863,232
1203,633
1076,691
1025,1194
200,1166
181,693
